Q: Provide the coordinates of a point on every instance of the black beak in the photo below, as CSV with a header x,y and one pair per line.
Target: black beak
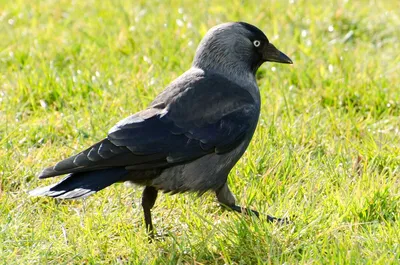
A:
x,y
272,54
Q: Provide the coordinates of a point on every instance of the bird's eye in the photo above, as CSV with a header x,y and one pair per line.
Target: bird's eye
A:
x,y
257,43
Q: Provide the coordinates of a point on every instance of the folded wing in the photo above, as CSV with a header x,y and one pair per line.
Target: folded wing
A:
x,y
211,115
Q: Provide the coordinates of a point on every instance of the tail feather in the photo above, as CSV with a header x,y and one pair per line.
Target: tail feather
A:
x,y
82,184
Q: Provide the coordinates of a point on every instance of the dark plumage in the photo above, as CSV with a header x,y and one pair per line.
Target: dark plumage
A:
x,y
190,136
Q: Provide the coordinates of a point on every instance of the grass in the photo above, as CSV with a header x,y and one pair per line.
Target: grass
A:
x,y
326,152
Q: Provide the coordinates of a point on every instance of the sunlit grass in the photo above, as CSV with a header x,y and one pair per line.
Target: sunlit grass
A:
x,y
326,152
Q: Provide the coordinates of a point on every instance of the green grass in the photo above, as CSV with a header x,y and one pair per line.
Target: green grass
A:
x,y
326,152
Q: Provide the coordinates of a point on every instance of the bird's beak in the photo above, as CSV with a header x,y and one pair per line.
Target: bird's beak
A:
x,y
272,54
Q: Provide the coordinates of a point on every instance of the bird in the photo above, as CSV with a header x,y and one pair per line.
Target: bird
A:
x,y
191,135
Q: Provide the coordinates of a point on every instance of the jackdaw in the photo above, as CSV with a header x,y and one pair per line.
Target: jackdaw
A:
x,y
190,136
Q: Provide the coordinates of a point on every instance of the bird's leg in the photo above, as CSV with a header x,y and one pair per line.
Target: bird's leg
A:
x,y
226,198
149,197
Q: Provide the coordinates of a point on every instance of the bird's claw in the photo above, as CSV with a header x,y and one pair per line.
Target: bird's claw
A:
x,y
271,219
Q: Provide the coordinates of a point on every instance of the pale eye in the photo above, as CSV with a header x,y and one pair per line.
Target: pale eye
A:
x,y
257,43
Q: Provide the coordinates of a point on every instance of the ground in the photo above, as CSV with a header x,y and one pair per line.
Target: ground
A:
x,y
326,152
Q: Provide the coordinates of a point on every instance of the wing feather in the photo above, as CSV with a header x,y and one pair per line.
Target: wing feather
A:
x,y
207,115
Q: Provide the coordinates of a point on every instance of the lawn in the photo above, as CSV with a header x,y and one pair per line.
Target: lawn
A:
x,y
326,152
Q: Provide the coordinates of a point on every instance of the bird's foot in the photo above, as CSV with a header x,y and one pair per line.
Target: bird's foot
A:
x,y
270,218
281,221
156,236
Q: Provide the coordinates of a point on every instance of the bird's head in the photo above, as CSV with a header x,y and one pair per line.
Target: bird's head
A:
x,y
239,47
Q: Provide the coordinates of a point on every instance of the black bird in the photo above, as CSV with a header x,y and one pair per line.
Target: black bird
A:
x,y
190,136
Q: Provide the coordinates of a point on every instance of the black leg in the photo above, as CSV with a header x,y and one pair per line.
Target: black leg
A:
x,y
227,199
149,197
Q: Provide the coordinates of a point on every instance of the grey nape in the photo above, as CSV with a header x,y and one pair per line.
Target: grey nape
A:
x,y
191,135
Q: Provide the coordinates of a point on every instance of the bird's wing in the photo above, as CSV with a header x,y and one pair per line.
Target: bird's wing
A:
x,y
208,115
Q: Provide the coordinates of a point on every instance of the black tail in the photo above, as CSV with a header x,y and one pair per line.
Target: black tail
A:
x,y
82,184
